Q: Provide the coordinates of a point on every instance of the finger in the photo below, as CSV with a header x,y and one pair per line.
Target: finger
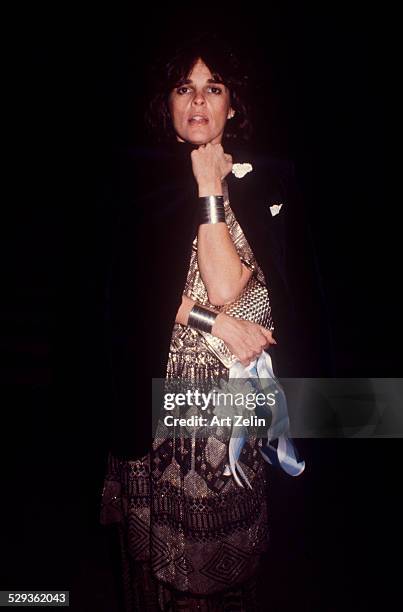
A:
x,y
260,340
254,354
267,344
247,362
269,335
247,358
260,344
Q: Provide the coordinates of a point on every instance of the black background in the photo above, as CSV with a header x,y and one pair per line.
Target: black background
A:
x,y
76,94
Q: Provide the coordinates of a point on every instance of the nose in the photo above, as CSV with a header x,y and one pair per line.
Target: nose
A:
x,y
198,98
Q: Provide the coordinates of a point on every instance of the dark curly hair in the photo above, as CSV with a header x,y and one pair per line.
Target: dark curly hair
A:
x,y
225,67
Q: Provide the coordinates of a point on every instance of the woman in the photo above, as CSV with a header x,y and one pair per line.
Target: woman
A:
x,y
190,536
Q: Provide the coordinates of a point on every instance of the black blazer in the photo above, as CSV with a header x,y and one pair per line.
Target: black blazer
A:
x,y
151,252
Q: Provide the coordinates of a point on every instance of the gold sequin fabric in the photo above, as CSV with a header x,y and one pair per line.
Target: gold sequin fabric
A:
x,y
197,530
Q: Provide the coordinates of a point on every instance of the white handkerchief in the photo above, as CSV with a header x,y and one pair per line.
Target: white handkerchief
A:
x,y
275,209
260,372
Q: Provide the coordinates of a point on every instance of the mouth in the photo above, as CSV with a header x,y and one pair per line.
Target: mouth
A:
x,y
198,119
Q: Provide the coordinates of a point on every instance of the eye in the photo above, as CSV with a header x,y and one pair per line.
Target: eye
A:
x,y
217,90
180,90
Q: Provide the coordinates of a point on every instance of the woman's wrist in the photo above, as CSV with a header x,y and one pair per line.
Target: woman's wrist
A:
x,y
210,188
218,324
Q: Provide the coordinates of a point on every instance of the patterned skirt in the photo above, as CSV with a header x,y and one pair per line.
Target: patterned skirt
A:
x,y
191,538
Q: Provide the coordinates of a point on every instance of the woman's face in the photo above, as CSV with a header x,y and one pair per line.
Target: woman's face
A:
x,y
200,107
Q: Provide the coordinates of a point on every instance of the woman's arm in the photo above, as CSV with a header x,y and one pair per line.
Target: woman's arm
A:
x,y
220,267
184,309
245,339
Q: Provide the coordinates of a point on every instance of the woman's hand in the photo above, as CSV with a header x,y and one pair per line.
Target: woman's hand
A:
x,y
210,166
245,339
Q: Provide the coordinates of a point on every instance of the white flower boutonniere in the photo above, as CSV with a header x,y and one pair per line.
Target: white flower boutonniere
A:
x,y
241,169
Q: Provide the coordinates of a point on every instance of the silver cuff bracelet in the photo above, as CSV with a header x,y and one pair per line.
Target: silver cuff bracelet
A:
x,y
212,209
201,318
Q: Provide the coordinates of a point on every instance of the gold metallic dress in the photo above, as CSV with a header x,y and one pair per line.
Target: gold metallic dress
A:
x,y
190,536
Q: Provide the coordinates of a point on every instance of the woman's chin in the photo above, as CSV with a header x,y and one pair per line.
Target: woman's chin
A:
x,y
198,139
203,140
